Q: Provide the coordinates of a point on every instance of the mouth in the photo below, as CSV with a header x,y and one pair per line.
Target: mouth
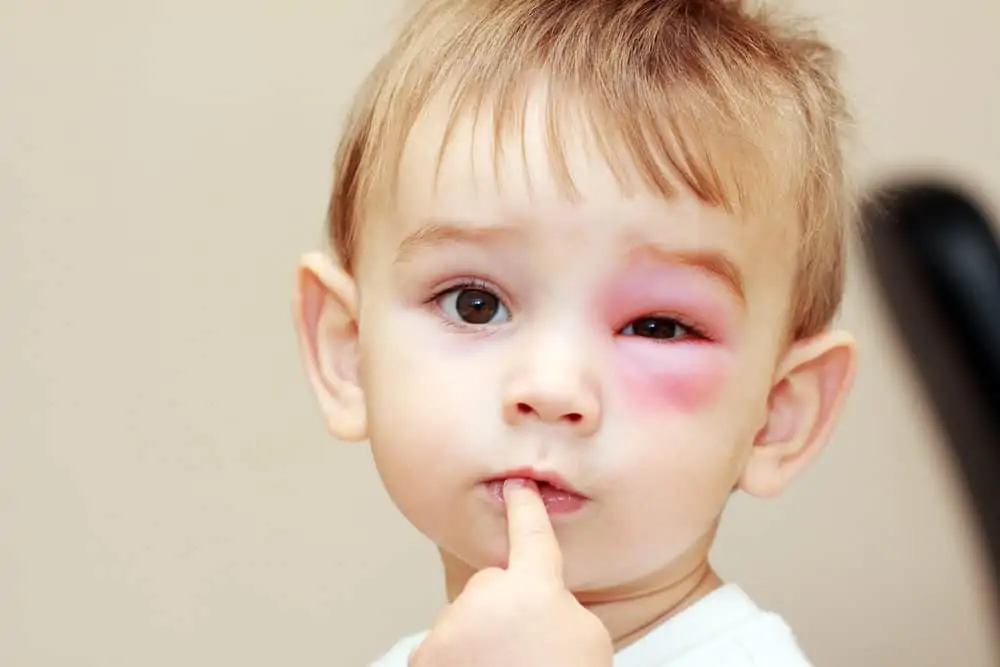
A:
x,y
557,494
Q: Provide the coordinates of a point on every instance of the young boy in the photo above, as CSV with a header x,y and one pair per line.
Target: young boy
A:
x,y
586,255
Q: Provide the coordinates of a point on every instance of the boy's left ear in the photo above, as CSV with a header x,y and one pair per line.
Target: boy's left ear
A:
x,y
811,385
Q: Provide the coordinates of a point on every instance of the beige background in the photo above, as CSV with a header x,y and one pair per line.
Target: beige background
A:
x,y
167,493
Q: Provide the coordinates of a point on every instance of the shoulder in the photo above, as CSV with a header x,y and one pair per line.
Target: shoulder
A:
x,y
399,654
725,629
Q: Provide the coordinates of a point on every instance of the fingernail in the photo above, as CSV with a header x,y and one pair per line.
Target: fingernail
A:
x,y
518,483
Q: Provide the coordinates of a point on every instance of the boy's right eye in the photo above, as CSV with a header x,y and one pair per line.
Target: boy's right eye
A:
x,y
472,304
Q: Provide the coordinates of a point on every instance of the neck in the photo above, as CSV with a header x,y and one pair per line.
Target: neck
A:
x,y
631,610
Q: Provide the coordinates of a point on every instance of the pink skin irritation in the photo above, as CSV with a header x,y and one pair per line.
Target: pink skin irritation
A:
x,y
682,374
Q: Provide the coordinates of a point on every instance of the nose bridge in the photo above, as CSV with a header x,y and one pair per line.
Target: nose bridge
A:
x,y
554,380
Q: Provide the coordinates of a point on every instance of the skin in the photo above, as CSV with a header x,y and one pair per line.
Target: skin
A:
x,y
655,432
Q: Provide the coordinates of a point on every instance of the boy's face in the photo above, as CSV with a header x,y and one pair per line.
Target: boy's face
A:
x,y
631,345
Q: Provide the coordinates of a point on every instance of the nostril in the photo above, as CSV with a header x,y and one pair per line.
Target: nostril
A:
x,y
527,409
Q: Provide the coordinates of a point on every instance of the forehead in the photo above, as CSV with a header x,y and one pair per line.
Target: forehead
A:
x,y
470,167
559,180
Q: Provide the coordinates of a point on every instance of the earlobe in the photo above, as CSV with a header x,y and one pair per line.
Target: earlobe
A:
x,y
810,388
326,313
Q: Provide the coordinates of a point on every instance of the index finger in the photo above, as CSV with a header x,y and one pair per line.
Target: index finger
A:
x,y
533,547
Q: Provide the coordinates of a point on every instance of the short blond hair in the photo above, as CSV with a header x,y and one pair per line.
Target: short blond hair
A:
x,y
743,109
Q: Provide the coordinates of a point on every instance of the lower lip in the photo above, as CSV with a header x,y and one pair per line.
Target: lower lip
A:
x,y
557,501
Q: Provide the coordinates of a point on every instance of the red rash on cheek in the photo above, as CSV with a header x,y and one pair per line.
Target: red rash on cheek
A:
x,y
685,376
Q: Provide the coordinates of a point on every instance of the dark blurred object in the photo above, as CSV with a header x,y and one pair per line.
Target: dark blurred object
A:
x,y
937,261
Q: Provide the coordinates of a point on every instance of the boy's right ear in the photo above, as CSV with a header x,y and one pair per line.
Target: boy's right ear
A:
x,y
326,316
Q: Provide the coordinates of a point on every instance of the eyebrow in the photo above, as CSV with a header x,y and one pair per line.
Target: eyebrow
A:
x,y
719,265
444,232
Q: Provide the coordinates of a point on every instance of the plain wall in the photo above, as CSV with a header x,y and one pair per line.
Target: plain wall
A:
x,y
167,492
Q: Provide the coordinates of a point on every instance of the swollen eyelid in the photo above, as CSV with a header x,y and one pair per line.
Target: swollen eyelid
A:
x,y
673,301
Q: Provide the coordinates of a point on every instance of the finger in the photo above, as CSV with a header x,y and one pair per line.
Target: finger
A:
x,y
533,546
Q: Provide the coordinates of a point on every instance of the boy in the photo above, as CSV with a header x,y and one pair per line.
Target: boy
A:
x,y
586,254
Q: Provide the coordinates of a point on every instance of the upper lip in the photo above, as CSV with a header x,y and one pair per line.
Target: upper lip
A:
x,y
551,478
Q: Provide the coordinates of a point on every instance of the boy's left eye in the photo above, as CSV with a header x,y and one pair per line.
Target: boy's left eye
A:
x,y
661,328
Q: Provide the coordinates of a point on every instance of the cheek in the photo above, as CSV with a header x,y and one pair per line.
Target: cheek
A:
x,y
426,393
683,377
419,437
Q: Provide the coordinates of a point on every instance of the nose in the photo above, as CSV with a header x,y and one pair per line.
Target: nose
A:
x,y
554,388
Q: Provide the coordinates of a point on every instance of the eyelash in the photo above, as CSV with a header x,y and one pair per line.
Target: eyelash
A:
x,y
694,331
468,283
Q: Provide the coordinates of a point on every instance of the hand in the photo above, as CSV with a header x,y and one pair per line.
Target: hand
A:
x,y
522,616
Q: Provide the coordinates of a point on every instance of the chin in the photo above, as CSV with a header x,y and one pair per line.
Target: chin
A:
x,y
491,554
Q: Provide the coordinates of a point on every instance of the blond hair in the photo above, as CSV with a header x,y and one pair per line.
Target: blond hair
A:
x,y
744,110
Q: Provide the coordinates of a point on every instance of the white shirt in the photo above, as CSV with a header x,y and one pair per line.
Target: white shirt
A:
x,y
723,629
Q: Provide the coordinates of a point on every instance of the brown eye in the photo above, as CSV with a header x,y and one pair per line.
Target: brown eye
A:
x,y
662,328
474,305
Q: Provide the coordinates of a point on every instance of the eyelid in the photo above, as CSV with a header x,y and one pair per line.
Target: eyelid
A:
x,y
468,282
